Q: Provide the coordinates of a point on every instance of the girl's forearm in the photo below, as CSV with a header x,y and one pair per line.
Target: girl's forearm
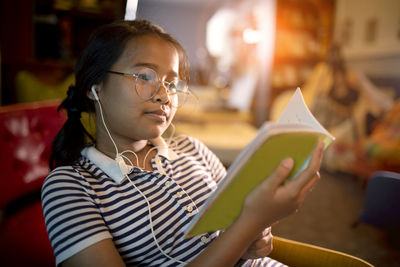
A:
x,y
228,248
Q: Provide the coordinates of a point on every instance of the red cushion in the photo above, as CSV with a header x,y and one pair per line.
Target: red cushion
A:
x,y
26,133
23,239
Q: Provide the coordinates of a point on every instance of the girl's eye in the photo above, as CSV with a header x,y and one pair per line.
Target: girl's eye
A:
x,y
145,77
173,86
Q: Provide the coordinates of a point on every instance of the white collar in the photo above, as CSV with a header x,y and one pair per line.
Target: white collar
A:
x,y
109,165
163,149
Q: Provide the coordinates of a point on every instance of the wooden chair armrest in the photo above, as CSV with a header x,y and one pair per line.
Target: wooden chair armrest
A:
x,y
298,254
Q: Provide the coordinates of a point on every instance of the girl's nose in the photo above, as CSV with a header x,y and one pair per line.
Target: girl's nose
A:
x,y
162,95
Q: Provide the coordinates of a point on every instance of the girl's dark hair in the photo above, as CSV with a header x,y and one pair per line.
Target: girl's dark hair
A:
x,y
105,46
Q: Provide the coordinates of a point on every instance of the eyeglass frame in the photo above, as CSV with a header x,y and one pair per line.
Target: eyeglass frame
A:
x,y
136,76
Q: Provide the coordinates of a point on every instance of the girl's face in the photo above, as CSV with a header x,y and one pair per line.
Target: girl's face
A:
x,y
128,117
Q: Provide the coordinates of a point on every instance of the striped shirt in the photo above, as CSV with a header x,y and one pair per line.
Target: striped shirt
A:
x,y
92,201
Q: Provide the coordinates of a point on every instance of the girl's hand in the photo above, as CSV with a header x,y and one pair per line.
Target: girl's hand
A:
x,y
261,247
270,201
267,203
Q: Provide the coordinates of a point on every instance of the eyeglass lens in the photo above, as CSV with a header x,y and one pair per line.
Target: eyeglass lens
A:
x,y
147,83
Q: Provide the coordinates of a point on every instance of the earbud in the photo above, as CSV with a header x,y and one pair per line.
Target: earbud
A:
x,y
94,93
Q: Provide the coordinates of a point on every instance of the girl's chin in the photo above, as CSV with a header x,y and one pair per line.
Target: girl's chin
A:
x,y
153,130
157,132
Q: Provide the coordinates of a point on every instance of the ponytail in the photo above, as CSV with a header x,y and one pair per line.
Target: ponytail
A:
x,y
71,139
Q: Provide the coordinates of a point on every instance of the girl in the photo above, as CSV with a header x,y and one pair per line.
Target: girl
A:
x,y
126,198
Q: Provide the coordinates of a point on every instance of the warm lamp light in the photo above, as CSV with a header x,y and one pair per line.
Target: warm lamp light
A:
x,y
251,36
131,8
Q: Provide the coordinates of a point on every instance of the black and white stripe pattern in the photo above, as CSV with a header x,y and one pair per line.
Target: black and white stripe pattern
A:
x,y
82,205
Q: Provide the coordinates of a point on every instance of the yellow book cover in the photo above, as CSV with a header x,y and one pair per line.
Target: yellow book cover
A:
x,y
294,135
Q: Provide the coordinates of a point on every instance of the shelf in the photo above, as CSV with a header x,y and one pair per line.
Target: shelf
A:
x,y
49,38
70,26
301,40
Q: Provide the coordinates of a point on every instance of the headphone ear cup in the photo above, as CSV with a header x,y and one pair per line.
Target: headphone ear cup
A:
x,y
93,89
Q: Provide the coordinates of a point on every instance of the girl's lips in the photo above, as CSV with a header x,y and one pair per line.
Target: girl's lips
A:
x,y
157,115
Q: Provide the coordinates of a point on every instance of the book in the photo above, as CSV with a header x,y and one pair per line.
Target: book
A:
x,y
295,134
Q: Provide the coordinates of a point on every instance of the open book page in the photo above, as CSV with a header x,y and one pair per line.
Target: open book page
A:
x,y
297,112
296,138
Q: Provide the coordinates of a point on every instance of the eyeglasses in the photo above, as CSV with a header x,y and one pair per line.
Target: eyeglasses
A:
x,y
147,83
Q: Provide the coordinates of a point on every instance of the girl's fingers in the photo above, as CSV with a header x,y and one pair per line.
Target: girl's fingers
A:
x,y
306,189
264,252
280,173
263,242
311,183
265,247
307,175
264,233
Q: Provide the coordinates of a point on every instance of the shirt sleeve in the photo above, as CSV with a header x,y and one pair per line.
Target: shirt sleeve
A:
x,y
73,219
213,163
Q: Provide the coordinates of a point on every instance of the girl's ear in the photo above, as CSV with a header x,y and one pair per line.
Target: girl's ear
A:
x,y
93,93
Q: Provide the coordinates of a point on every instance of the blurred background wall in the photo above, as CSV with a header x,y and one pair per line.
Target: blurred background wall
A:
x,y
49,35
370,33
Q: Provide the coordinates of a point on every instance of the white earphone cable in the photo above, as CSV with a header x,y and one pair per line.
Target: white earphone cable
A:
x,y
105,126
145,157
151,225
125,157
126,175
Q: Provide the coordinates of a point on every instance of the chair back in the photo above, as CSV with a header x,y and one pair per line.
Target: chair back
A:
x,y
26,134
382,200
